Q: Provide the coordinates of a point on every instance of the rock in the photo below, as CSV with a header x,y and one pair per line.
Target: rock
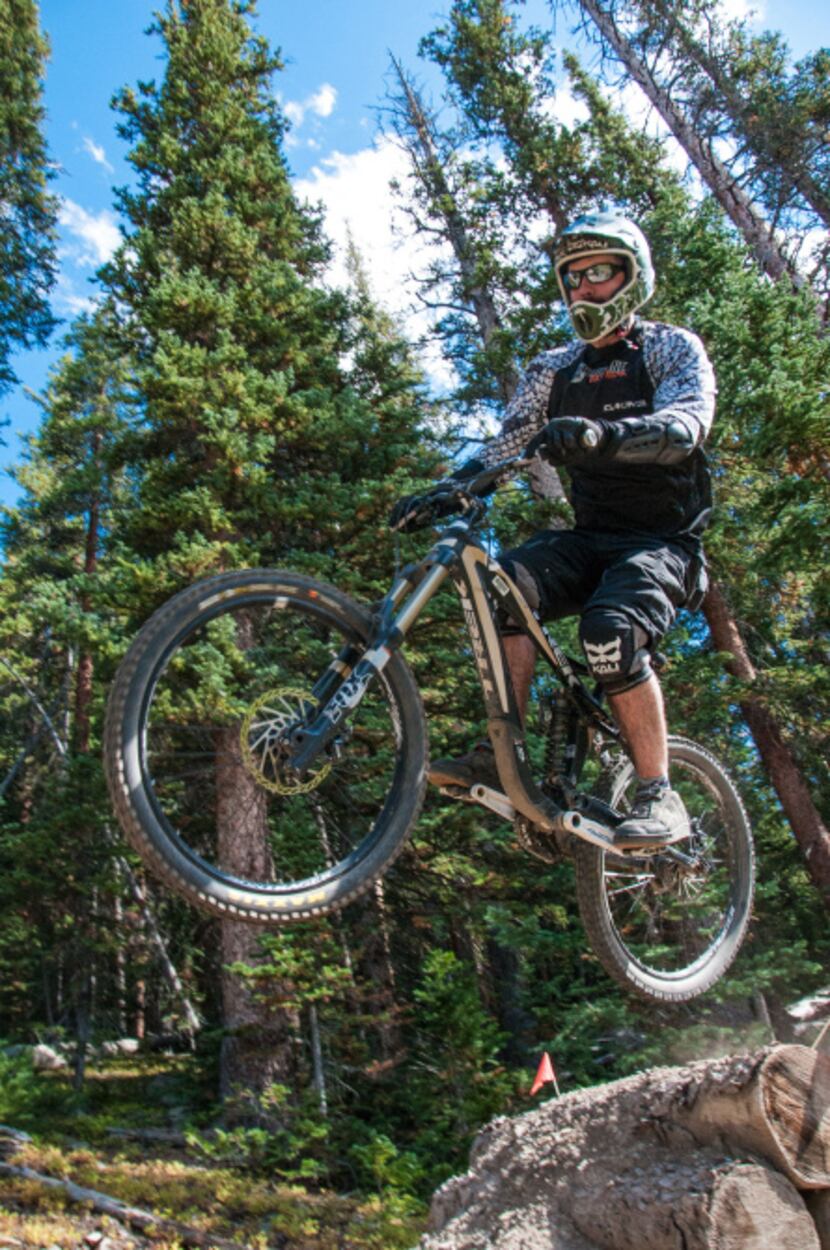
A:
x,y
120,1046
711,1156
811,1009
45,1059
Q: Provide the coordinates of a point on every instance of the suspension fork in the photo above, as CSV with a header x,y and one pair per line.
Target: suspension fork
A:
x,y
344,683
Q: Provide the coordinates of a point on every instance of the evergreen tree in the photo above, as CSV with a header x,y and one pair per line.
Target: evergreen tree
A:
x,y
56,849
27,220
640,51
276,417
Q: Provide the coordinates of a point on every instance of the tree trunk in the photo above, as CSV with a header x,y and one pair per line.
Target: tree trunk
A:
x,y
544,480
776,1105
258,1048
83,680
377,965
759,235
168,968
317,1065
744,116
719,1155
810,831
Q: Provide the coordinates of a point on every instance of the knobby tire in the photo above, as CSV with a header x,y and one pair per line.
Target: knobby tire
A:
x,y
189,762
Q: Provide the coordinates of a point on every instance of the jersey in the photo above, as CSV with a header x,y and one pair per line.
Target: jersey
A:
x,y
658,370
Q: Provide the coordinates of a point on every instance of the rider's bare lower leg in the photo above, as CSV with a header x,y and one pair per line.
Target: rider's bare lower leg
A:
x,y
640,714
657,814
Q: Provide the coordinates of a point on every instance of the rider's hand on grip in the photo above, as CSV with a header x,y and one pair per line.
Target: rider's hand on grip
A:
x,y
415,510
565,439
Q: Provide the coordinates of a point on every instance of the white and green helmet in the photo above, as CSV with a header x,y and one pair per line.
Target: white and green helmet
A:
x,y
606,232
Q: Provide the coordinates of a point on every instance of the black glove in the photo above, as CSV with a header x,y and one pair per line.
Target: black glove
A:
x,y
565,439
410,512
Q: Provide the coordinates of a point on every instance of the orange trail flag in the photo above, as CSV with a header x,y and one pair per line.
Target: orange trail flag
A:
x,y
544,1076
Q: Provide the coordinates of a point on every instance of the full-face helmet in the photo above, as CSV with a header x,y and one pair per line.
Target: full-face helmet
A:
x,y
606,232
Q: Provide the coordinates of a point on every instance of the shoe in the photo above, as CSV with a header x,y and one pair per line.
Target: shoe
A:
x,y
658,818
476,768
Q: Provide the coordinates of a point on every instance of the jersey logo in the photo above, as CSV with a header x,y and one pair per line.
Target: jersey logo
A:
x,y
604,657
590,373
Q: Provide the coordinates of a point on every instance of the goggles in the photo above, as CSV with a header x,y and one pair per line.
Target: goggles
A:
x,y
602,271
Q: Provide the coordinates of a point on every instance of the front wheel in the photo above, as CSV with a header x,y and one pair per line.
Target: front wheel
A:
x,y
664,929
198,720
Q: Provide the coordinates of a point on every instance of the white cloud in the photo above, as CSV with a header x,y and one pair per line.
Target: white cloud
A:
x,y
564,107
356,198
97,153
322,103
737,9
96,235
68,300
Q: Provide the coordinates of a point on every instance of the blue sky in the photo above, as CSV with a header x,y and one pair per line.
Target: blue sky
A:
x,y
337,59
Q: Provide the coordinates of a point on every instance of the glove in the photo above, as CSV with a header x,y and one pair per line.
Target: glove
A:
x,y
439,501
565,439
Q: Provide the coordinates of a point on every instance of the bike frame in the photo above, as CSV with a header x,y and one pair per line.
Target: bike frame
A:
x,y
480,580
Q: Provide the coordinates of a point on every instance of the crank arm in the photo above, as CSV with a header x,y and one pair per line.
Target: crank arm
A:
x,y
483,796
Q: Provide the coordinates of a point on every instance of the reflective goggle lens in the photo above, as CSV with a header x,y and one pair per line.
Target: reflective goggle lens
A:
x,y
600,272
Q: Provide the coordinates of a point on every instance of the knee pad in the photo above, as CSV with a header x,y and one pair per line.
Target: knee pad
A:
x,y
526,583
616,649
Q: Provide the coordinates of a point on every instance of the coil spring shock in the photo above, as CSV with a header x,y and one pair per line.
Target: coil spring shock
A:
x,y
560,749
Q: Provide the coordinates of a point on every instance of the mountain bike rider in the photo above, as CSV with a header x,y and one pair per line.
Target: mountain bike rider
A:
x,y
641,495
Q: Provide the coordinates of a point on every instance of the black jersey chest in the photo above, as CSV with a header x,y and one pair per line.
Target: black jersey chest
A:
x,y
603,385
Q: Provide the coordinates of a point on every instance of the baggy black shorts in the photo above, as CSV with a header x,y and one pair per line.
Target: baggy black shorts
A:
x,y
644,577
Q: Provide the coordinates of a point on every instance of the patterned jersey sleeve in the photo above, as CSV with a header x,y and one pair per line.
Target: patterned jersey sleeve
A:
x,y
684,381
527,411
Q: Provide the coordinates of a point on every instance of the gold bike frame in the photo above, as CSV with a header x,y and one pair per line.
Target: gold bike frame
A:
x,y
478,578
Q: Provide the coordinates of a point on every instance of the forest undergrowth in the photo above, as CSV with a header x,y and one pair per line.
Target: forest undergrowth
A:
x,y
224,1188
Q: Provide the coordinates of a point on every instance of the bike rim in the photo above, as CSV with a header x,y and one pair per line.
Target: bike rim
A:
x,y
224,692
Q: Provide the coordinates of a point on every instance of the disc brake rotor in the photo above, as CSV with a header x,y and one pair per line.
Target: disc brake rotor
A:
x,y
264,738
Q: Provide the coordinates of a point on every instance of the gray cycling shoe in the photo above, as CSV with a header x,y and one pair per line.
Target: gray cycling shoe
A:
x,y
658,818
476,768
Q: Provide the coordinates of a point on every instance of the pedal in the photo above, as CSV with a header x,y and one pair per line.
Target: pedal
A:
x,y
483,796
581,826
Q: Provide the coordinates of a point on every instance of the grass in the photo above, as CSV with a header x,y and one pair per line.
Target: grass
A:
x,y
250,1206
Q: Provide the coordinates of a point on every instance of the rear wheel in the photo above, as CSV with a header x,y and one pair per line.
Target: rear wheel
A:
x,y
195,750
664,929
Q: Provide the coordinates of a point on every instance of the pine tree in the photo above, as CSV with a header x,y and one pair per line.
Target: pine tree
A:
x,y
276,420
60,865
639,52
27,220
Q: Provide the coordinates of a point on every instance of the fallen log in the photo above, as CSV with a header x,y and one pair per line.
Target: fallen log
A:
x,y
135,1216
168,1136
697,1201
710,1157
775,1104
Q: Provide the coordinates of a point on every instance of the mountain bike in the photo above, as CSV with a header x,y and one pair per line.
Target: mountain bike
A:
x,y
266,752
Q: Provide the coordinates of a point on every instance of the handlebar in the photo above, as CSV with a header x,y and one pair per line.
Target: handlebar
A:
x,y
469,493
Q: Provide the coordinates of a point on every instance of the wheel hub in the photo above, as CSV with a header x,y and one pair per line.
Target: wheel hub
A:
x,y
265,737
